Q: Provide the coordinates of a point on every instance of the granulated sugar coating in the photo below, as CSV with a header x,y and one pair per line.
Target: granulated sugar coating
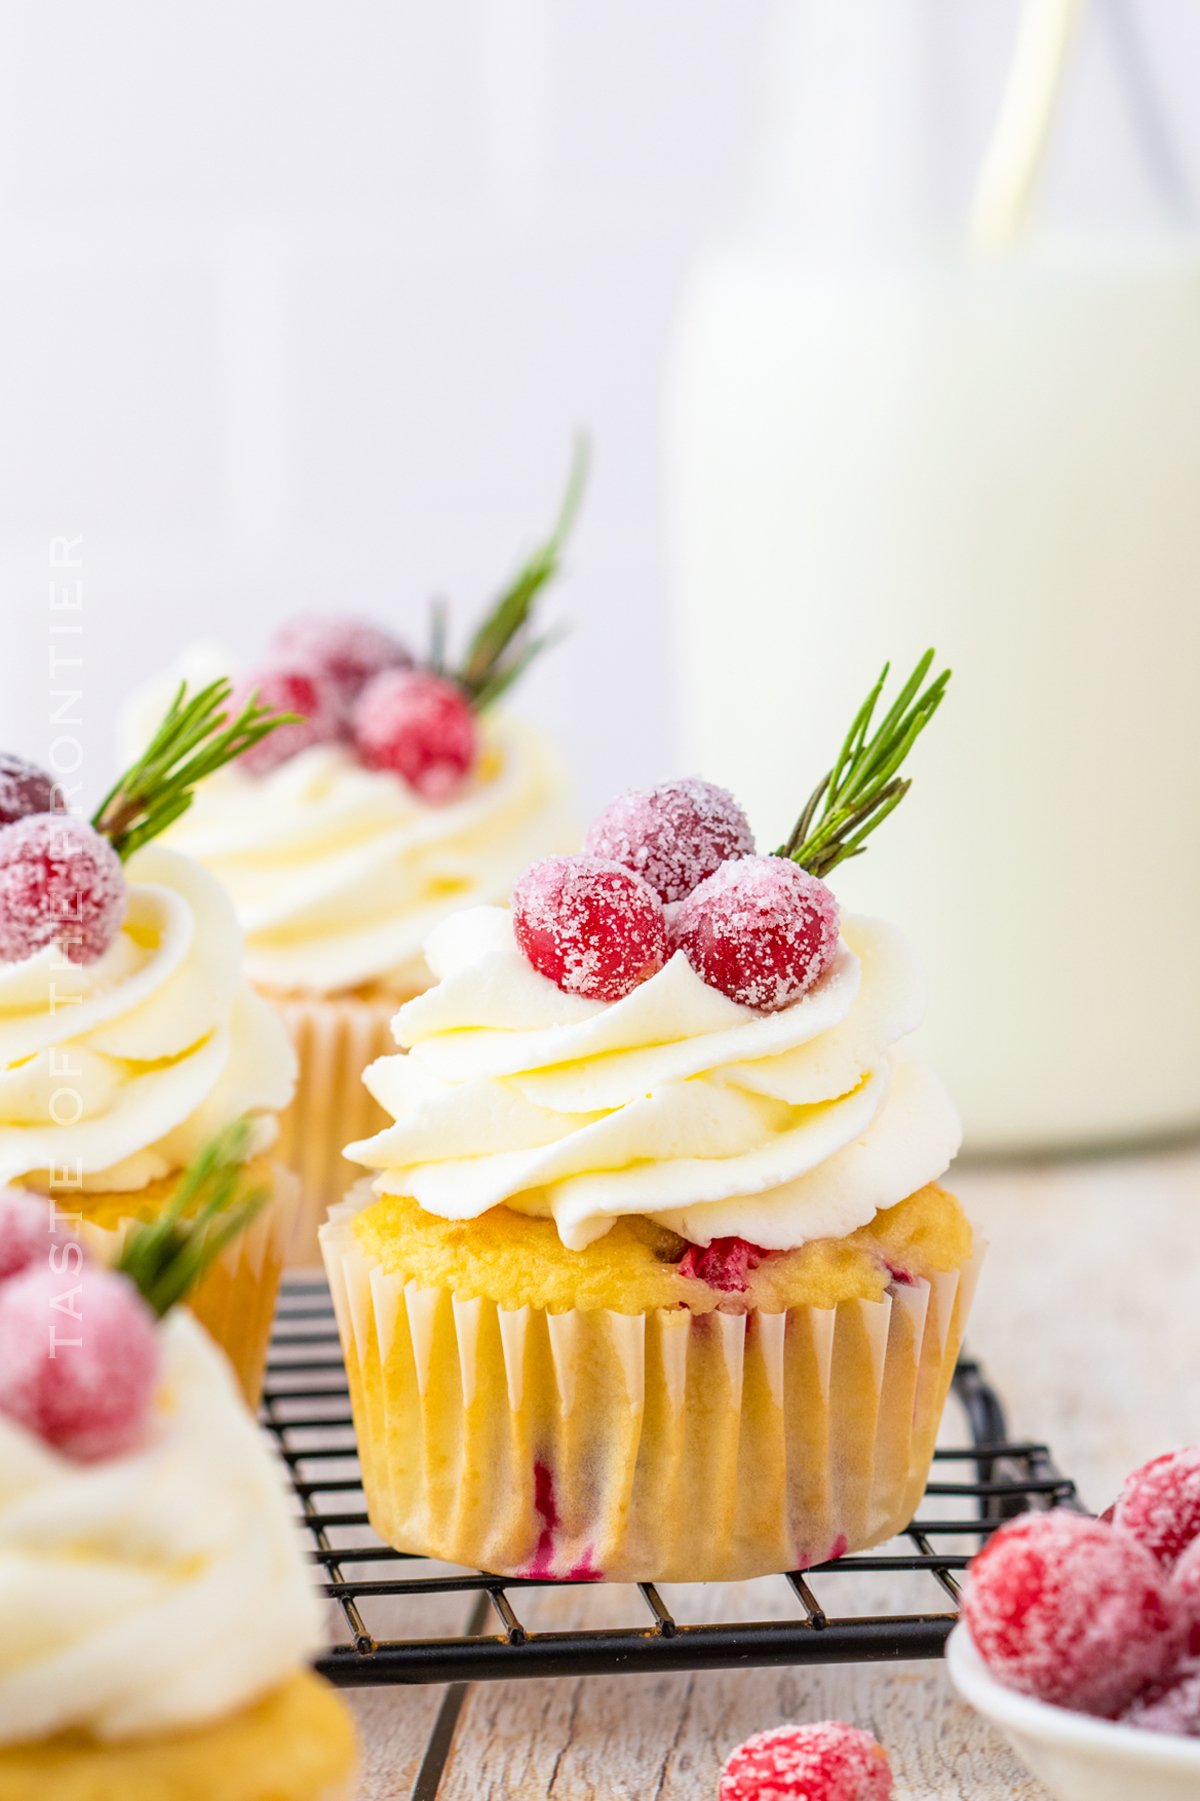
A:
x,y
289,687
1185,1579
1171,1706
350,651
25,789
761,930
829,1761
92,1399
26,1231
60,883
590,925
1073,1612
674,835
421,727
1160,1504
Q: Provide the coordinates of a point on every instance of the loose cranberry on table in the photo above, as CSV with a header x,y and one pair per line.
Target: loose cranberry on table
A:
x,y
1160,1504
1071,1611
761,930
61,883
92,1397
290,687
349,651
828,1761
420,726
674,835
590,925
25,789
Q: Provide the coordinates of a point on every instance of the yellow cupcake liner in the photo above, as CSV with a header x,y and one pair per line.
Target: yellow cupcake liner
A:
x,y
296,1744
662,1446
335,1039
235,1299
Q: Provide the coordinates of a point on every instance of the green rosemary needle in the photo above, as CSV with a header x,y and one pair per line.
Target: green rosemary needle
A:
x,y
502,648
196,738
165,1257
863,786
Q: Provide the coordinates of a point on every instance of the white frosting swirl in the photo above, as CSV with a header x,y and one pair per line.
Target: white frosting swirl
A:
x,y
340,873
157,1590
120,1070
675,1102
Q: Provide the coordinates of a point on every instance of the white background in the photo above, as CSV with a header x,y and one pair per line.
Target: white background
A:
x,y
301,302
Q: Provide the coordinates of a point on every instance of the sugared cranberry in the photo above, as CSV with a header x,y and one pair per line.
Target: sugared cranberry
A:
x,y
726,1263
350,651
590,925
1185,1579
674,835
761,930
1069,1610
25,789
421,727
290,687
26,1231
79,1358
826,1762
1169,1706
1160,1504
60,883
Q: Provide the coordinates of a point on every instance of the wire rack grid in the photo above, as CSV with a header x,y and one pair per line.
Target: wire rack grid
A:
x,y
404,1619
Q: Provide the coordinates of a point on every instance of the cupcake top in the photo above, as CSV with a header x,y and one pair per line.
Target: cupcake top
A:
x,y
153,1578
128,1033
673,1028
396,795
339,872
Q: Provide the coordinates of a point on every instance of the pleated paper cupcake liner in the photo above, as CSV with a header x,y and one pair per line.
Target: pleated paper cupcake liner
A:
x,y
666,1446
235,1299
335,1040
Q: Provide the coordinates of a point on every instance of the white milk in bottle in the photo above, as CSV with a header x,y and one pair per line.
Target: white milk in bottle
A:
x,y
879,450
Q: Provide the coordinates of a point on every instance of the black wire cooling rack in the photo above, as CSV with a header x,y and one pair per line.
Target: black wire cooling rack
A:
x,y
403,1619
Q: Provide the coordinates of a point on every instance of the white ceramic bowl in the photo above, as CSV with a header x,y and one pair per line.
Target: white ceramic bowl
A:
x,y
1078,1758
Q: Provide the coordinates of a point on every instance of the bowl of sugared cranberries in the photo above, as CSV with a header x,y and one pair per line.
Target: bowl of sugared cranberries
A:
x,y
1080,1640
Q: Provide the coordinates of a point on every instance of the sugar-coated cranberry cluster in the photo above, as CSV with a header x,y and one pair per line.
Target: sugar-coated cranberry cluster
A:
x,y
79,1347
827,1761
669,869
351,682
61,882
1101,1615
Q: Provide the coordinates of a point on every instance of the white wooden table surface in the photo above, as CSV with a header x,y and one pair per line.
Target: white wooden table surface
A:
x,y
1088,1324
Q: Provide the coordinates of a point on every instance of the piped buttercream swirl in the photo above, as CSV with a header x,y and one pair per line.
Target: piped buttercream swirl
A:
x,y
115,1073
674,1103
154,1591
339,873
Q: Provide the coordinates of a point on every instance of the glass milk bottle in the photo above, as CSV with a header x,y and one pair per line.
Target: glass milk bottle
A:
x,y
895,423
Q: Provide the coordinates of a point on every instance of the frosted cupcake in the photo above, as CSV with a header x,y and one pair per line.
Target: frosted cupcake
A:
x,y
404,794
128,1032
654,1278
156,1612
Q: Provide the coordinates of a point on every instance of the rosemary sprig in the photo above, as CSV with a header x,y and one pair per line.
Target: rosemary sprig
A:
x,y
863,786
502,648
166,1257
195,738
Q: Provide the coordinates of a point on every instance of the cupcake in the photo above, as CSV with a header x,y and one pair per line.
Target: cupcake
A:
x,y
128,1033
654,1278
156,1612
403,794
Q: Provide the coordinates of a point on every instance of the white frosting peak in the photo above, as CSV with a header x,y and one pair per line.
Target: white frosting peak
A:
x,y
675,1102
121,1069
339,873
157,1590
